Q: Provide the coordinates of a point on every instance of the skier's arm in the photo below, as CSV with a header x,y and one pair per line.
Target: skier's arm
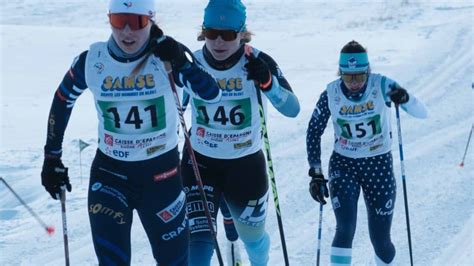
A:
x,y
196,80
280,94
413,106
316,127
71,87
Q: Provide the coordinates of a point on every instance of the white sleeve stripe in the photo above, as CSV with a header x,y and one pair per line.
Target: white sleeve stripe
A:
x,y
76,89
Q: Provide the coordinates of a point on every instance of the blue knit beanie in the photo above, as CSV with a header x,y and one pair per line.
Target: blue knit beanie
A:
x,y
225,14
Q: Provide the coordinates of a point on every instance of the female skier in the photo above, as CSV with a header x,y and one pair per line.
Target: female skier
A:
x,y
227,136
137,162
359,103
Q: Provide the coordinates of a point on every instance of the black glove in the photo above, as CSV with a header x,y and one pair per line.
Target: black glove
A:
x,y
171,51
53,176
258,71
398,95
318,186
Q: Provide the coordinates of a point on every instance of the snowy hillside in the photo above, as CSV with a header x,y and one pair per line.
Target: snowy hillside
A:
x,y
427,46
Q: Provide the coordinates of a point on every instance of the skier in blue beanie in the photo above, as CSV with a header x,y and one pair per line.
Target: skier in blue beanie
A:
x,y
227,136
359,103
136,166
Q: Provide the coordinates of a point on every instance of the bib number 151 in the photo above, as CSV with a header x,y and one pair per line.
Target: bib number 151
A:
x,y
360,129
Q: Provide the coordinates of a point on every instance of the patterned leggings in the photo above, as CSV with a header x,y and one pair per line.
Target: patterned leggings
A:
x,y
375,176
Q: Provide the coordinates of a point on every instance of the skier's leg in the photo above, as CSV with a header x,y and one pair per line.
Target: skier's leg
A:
x,y
344,191
110,210
246,192
232,250
162,209
230,231
379,194
253,234
201,245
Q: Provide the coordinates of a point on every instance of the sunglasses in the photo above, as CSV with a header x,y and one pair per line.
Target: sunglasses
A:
x,y
226,35
360,77
134,21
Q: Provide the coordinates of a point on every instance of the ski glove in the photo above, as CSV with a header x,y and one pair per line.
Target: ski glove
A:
x,y
53,176
171,51
318,186
259,71
398,95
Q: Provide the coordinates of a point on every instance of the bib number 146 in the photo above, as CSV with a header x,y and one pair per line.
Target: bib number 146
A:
x,y
235,114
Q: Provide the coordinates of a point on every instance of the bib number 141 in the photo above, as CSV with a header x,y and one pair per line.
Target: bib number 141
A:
x,y
144,117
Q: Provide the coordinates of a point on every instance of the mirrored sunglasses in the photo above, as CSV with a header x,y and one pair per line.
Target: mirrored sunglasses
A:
x,y
226,35
134,21
359,77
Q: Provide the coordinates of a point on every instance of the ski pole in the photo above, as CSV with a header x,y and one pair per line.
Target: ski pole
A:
x,y
80,160
271,173
193,160
320,229
49,229
467,146
63,214
402,165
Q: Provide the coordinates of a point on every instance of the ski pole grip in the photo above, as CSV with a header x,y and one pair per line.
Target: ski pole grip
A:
x,y
162,38
168,68
166,63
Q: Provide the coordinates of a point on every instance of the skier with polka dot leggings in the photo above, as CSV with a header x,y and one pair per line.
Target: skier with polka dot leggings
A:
x,y
359,103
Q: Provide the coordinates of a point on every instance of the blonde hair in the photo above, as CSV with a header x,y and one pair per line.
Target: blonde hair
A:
x,y
246,36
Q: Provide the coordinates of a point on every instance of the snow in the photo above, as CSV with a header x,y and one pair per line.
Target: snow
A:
x,y
459,252
427,46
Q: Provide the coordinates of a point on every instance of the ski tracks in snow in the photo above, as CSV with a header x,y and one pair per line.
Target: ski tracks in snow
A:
x,y
438,143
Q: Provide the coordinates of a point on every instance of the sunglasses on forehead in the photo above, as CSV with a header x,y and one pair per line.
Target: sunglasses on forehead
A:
x,y
359,77
226,35
134,21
